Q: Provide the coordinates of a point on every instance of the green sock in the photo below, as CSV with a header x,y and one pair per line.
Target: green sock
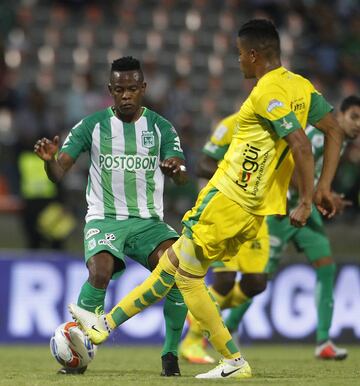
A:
x,y
175,312
325,277
236,314
91,298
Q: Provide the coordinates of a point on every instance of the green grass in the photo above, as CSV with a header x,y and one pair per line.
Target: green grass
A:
x,y
122,366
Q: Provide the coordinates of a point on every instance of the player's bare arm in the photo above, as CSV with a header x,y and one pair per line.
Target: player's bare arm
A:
x,y
304,168
207,167
175,168
55,168
334,136
340,202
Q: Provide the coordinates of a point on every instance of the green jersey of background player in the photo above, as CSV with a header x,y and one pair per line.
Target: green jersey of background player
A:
x,y
131,148
312,240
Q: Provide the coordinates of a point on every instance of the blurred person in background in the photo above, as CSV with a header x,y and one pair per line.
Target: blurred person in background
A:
x,y
348,175
46,222
82,99
132,149
158,82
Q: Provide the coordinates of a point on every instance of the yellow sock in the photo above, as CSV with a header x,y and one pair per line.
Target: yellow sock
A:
x,y
194,327
204,308
222,300
194,334
153,289
237,296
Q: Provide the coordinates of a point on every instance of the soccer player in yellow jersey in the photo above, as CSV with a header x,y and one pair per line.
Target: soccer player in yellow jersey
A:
x,y
251,259
250,183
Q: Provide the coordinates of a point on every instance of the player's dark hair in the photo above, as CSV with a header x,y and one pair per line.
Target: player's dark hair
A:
x,y
127,63
352,100
262,36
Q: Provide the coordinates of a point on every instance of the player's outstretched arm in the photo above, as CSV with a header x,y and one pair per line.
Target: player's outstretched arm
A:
x,y
206,167
55,167
175,168
334,136
304,168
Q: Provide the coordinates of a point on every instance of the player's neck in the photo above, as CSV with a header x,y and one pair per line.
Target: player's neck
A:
x,y
128,118
267,67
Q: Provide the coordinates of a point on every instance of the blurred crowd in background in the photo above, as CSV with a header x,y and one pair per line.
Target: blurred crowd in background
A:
x,y
54,66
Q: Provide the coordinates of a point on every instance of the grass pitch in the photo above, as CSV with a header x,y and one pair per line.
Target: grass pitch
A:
x,y
137,365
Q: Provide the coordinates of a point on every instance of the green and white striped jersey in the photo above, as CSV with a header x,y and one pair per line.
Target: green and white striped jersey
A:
x,y
125,179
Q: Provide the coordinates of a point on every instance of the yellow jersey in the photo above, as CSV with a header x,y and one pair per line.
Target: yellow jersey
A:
x,y
220,139
257,167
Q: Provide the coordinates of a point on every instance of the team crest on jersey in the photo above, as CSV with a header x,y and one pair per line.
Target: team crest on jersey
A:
x,y
147,138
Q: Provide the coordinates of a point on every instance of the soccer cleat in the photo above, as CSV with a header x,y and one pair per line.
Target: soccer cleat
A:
x,y
228,368
93,325
328,350
194,352
170,365
69,371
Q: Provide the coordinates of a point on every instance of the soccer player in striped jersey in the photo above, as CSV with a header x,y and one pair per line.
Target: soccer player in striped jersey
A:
x,y
249,184
131,149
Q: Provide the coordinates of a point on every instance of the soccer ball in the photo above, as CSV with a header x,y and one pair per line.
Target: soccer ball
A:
x,y
71,347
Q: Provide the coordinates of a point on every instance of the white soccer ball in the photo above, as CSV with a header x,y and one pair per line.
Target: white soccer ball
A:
x,y
71,347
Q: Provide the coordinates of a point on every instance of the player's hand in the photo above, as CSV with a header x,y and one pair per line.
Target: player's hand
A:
x,y
325,202
171,166
300,214
47,149
340,202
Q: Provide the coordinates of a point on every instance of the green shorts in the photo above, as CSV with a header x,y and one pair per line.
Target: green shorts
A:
x,y
135,237
311,239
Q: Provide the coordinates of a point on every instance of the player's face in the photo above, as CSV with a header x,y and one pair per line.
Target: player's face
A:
x,y
350,121
127,88
246,59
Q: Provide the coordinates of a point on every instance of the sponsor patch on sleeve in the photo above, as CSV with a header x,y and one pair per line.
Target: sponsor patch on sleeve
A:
x,y
273,104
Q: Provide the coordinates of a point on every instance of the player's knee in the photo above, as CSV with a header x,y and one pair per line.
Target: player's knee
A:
x,y
224,282
325,266
253,284
100,272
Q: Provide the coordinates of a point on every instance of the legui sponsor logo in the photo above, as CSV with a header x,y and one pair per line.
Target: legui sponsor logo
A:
x,y
127,162
249,165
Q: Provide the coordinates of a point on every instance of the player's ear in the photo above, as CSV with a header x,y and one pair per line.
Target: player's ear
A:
x,y
110,88
143,87
253,55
